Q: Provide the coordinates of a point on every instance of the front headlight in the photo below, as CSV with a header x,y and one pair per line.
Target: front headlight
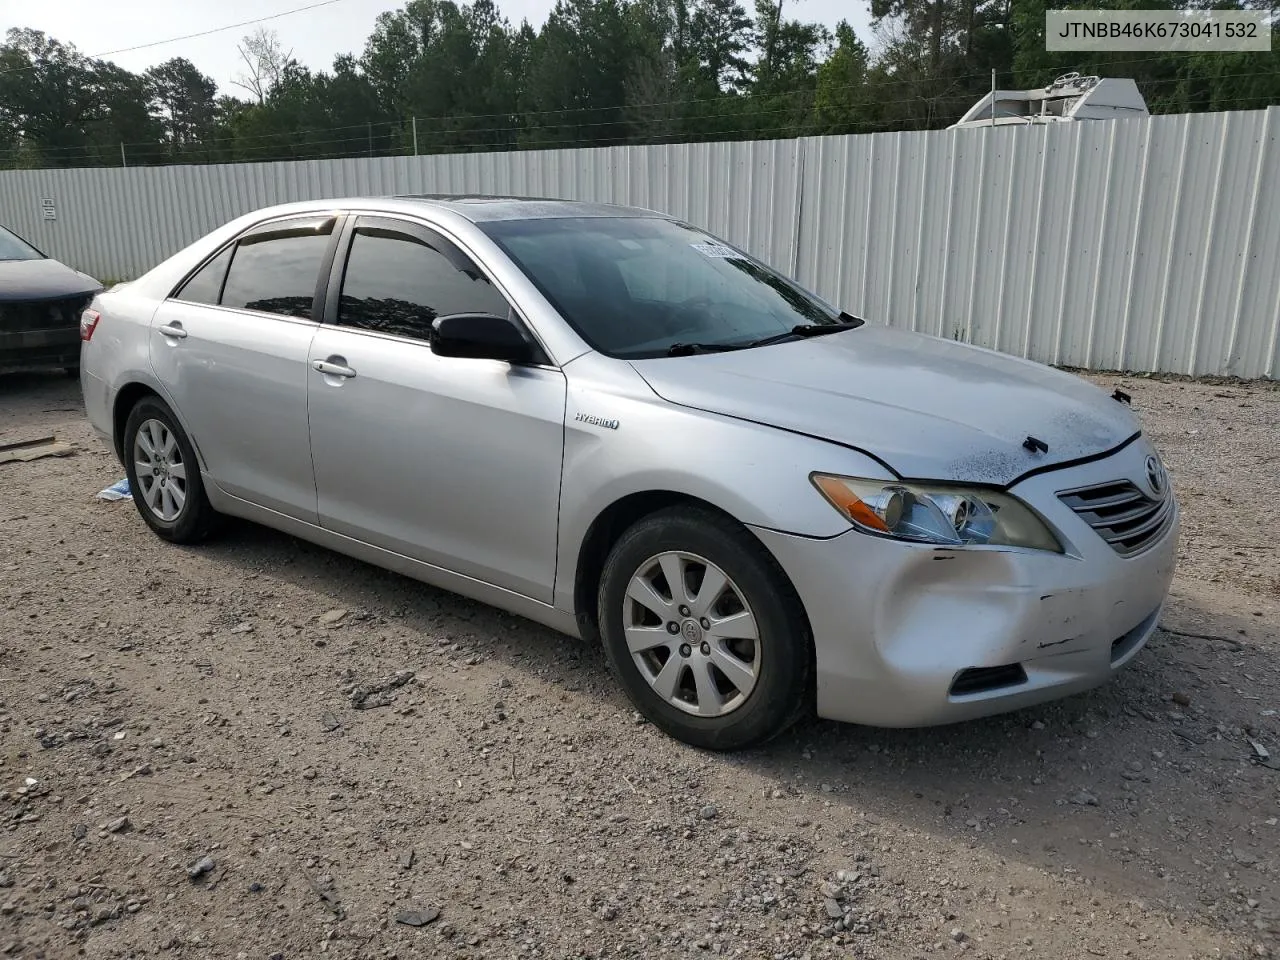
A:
x,y
956,516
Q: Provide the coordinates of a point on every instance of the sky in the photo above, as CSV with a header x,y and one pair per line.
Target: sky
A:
x,y
97,27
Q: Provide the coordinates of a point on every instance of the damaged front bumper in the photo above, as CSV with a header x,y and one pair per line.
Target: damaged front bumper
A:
x,y
913,635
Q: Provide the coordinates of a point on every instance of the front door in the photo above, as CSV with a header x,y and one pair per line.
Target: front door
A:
x,y
454,462
231,347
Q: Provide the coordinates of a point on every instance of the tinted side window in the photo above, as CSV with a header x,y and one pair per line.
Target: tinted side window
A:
x,y
396,283
276,272
206,284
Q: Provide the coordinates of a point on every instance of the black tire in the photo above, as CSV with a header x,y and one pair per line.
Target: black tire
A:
x,y
783,690
196,519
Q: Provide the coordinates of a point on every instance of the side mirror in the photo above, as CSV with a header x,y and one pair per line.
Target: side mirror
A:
x,y
481,337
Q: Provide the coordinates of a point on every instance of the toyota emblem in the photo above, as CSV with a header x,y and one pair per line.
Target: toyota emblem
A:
x,y
1156,476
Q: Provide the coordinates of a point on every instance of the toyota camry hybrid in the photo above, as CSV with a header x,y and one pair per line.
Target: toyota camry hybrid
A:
x,y
620,426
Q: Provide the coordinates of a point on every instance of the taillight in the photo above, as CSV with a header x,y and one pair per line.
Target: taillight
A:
x,y
89,323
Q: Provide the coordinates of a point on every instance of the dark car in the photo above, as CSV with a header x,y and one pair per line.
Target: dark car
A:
x,y
40,305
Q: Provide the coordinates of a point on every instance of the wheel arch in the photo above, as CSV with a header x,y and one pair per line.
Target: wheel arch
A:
x,y
127,398
611,523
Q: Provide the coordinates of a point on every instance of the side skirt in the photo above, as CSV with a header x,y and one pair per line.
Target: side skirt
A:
x,y
487,593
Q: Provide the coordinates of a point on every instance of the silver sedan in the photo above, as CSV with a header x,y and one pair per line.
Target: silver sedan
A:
x,y
617,425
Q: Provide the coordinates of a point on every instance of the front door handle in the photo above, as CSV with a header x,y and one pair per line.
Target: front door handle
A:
x,y
331,369
173,330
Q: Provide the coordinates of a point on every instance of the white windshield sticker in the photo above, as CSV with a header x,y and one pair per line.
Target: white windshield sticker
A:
x,y
718,250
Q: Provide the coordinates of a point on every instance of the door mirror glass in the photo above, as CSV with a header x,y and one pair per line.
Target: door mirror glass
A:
x,y
482,337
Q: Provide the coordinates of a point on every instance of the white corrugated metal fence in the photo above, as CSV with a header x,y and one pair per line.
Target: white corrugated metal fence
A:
x,y
1146,245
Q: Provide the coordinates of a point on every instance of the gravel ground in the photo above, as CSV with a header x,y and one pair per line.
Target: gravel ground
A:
x,y
196,759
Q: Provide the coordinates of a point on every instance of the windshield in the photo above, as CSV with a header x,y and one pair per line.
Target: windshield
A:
x,y
13,247
637,287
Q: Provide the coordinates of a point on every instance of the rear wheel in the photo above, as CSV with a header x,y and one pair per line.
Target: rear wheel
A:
x,y
164,476
704,631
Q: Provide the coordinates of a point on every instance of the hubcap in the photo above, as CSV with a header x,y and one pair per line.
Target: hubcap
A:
x,y
161,472
692,634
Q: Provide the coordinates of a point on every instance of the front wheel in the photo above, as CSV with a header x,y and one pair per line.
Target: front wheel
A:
x,y
164,476
704,631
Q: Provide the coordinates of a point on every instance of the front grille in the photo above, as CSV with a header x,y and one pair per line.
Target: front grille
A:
x,y
1124,516
40,315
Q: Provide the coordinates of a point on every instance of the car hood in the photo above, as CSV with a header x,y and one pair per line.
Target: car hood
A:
x,y
42,280
929,408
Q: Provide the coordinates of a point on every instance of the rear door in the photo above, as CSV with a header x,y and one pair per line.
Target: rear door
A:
x,y
231,347
452,461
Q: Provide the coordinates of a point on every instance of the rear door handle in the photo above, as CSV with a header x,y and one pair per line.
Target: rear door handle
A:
x,y
173,330
331,369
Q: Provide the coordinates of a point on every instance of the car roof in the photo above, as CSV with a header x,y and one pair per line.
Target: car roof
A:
x,y
459,208
480,208
470,208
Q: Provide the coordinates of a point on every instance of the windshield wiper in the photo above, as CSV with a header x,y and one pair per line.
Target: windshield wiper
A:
x,y
808,330
847,322
689,349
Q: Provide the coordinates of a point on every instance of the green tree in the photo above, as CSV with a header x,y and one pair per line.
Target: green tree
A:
x,y
936,56
658,39
843,103
119,114
597,72
577,76
720,39
309,115
61,108
784,75
458,68
183,101
45,98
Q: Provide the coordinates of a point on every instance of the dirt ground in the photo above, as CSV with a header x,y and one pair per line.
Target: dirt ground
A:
x,y
163,705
